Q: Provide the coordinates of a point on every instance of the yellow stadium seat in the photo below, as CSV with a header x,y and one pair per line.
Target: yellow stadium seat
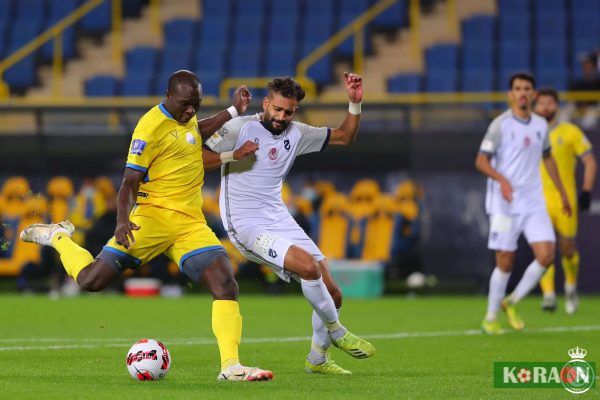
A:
x,y
334,226
379,231
13,195
60,192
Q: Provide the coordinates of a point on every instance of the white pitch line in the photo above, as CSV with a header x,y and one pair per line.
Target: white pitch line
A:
x,y
94,343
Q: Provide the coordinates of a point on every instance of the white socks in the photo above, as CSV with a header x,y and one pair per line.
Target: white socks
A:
x,y
320,341
498,282
319,298
530,279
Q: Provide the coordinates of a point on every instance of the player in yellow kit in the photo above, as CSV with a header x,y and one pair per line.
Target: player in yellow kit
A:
x,y
159,210
568,144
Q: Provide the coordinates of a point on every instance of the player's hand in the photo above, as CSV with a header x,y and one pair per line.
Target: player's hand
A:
x,y
247,149
354,87
123,233
584,201
506,190
566,209
241,99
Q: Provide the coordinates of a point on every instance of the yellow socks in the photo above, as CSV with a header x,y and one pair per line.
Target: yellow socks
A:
x,y
73,257
547,281
571,268
227,327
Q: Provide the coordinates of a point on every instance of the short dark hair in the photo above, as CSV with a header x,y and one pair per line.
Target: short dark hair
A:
x,y
525,76
548,91
287,87
182,77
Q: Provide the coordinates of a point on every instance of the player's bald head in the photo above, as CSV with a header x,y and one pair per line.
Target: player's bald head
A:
x,y
182,78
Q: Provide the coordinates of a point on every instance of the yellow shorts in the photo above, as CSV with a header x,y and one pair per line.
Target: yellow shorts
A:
x,y
565,226
177,235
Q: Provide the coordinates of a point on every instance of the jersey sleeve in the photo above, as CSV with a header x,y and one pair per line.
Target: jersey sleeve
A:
x,y
225,138
491,140
141,151
581,144
312,139
546,145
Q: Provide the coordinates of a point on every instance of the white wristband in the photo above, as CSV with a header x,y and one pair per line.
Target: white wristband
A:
x,y
233,111
354,108
226,157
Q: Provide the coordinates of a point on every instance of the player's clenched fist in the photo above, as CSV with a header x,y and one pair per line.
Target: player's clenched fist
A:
x,y
353,87
241,99
247,149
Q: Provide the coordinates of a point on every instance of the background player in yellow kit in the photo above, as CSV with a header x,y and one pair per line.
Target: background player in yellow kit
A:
x,y
568,144
159,210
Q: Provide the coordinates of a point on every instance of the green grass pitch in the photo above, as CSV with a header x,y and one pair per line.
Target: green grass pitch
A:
x,y
427,348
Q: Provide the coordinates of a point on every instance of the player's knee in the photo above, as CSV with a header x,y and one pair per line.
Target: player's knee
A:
x,y
546,259
220,280
309,269
89,281
226,290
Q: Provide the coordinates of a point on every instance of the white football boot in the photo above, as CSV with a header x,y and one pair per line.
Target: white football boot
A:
x,y
241,373
43,233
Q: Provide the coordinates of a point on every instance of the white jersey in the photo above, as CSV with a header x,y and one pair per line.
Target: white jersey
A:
x,y
516,148
251,188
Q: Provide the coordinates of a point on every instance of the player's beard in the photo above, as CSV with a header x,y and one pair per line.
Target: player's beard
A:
x,y
268,124
550,116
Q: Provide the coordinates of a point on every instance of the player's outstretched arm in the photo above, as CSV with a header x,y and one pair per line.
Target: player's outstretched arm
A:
x,y
553,172
125,202
241,100
345,134
212,160
589,176
483,165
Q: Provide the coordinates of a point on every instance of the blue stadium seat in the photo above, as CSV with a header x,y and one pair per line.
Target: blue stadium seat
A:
x,y
585,26
557,78
174,58
6,11
141,60
248,30
478,55
551,26
68,44
515,55
245,61
586,6
160,84
253,9
214,31
514,7
552,54
393,18
405,83
285,9
477,80
210,60
98,20
280,30
349,12
210,83
441,81
319,8
442,57
136,85
516,27
32,10
321,71
22,32
102,85
479,28
22,75
280,59
504,75
4,26
61,8
180,32
544,7
580,49
216,9
317,29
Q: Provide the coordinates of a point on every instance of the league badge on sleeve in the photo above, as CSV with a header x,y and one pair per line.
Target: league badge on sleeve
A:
x,y
137,147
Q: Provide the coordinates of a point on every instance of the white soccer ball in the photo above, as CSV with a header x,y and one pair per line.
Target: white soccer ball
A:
x,y
148,360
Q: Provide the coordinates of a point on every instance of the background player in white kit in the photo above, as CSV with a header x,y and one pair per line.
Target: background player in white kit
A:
x,y
510,156
258,221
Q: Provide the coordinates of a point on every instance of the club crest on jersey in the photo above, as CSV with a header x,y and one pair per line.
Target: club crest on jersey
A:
x,y
137,147
190,138
273,153
527,141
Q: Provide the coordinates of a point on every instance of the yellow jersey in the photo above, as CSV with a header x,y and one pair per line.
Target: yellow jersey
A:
x,y
568,143
170,155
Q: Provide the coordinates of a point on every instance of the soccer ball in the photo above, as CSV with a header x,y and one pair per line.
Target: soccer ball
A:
x,y
148,360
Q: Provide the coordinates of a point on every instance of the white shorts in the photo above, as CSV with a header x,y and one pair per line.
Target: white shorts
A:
x,y
268,244
506,229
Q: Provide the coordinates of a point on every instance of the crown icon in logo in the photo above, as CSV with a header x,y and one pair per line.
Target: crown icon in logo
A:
x,y
577,353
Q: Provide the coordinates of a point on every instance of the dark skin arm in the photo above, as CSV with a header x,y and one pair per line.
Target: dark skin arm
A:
x,y
212,160
241,100
125,201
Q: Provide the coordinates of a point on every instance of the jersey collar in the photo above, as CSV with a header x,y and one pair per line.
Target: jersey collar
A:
x,y
521,120
162,108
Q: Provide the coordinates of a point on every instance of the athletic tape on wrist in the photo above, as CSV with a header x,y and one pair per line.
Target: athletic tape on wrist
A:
x,y
233,111
354,108
226,156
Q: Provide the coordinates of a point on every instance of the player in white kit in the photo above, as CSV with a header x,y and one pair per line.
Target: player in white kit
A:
x,y
510,156
257,220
